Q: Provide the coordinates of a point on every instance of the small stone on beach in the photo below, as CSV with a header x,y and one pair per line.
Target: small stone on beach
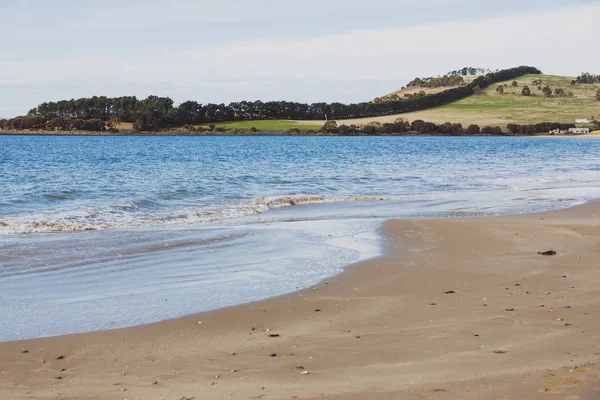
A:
x,y
547,253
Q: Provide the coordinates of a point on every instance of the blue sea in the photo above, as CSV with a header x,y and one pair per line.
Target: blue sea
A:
x,y
106,232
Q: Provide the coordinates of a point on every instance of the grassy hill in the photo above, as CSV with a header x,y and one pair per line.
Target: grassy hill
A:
x,y
492,108
487,109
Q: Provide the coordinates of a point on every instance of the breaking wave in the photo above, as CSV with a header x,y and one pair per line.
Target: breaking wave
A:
x,y
140,213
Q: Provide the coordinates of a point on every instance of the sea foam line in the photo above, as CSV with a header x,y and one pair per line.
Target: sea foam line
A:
x,y
131,216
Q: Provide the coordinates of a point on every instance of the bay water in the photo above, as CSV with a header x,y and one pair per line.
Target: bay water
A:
x,y
107,232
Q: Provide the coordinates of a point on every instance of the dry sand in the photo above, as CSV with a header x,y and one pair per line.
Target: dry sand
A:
x,y
385,329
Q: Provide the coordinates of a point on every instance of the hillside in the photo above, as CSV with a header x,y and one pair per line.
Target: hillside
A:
x,y
416,89
492,108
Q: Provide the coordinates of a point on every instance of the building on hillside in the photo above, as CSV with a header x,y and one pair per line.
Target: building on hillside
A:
x,y
579,131
583,121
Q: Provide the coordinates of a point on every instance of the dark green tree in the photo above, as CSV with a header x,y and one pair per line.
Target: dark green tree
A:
x,y
526,91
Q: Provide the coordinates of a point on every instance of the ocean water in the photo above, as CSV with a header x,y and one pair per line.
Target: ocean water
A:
x,y
106,232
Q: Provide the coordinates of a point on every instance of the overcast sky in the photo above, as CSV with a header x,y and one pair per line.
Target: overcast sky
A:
x,y
313,50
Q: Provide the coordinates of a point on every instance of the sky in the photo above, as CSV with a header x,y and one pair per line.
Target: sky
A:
x,y
309,51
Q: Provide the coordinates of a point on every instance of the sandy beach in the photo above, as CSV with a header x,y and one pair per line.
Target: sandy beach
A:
x,y
456,309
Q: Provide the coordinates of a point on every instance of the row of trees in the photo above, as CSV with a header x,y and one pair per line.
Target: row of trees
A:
x,y
469,71
440,81
155,112
587,78
533,129
403,127
36,122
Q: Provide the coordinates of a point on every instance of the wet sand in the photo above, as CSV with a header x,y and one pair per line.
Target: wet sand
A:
x,y
456,309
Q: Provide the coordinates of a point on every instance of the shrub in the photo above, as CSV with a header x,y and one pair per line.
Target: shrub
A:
x,y
93,124
547,91
491,130
473,130
330,127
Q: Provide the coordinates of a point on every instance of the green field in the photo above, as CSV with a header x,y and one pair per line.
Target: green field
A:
x,y
268,125
492,108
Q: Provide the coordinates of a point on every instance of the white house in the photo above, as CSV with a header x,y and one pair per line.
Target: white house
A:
x,y
583,121
579,131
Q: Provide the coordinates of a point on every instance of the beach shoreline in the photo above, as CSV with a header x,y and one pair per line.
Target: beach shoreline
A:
x,y
453,310
179,133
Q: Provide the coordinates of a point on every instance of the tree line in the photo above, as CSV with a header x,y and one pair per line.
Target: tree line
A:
x,y
468,71
402,127
440,81
154,112
36,122
586,78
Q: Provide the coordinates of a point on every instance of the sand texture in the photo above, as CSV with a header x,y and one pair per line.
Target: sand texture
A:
x,y
456,309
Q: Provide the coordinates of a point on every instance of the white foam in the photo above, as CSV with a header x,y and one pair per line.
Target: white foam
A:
x,y
128,280
129,215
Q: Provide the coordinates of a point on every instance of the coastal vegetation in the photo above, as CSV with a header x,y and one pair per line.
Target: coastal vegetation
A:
x,y
419,127
586,78
155,113
525,102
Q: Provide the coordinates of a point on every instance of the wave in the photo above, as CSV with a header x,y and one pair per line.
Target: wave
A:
x,y
140,213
